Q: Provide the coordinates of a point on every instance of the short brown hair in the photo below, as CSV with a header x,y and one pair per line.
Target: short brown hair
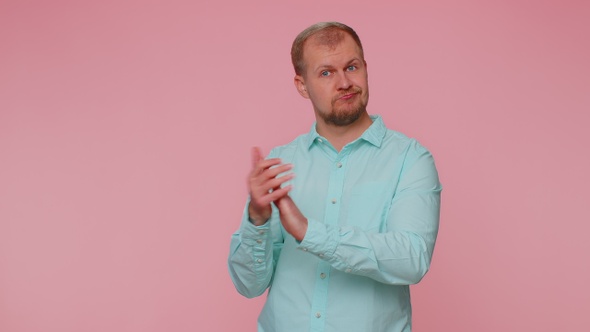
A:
x,y
328,33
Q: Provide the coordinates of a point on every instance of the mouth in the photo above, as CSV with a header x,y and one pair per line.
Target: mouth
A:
x,y
347,96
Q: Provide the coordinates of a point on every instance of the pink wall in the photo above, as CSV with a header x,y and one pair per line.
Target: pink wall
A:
x,y
125,132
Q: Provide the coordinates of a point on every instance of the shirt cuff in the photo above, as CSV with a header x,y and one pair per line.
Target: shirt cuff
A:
x,y
250,231
319,240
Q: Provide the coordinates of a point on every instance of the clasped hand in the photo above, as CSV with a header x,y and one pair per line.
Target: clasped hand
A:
x,y
264,186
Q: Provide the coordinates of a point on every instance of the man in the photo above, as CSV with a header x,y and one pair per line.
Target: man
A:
x,y
340,243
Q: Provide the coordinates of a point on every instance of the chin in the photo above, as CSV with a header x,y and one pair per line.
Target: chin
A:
x,y
344,118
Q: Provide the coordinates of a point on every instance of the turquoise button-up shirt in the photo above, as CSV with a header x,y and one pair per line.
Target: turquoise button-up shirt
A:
x,y
373,213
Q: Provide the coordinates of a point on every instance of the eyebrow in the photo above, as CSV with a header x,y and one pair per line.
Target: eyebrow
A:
x,y
325,66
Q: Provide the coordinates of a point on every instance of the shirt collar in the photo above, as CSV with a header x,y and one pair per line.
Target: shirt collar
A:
x,y
374,134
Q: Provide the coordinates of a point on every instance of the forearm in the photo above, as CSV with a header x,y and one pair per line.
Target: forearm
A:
x,y
395,257
253,252
400,254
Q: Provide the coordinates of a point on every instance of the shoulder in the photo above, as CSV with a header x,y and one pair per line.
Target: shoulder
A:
x,y
287,150
398,142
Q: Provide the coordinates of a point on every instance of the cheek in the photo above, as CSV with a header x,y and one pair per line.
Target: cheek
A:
x,y
362,82
321,94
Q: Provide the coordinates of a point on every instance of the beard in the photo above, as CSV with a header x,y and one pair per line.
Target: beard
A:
x,y
346,114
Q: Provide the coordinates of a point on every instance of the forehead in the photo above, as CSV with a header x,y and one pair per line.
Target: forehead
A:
x,y
328,49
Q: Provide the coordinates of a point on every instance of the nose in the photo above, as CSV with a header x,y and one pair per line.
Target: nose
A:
x,y
344,82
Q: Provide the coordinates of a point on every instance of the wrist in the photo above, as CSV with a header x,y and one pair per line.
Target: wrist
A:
x,y
255,218
256,221
302,231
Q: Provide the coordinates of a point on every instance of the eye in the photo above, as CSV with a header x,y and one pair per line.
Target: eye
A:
x,y
351,68
325,73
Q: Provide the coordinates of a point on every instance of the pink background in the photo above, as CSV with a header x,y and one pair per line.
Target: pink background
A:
x,y
125,130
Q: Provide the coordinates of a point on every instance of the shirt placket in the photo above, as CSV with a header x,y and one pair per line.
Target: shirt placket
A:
x,y
333,198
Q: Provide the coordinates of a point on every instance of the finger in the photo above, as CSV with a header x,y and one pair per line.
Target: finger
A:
x,y
258,160
256,172
269,197
279,193
276,183
256,156
275,171
260,175
267,187
267,163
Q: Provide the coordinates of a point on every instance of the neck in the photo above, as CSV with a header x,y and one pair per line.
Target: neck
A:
x,y
339,136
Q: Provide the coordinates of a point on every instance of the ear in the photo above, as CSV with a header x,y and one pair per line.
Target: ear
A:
x,y
300,85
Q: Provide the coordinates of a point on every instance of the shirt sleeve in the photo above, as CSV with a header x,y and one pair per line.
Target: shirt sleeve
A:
x,y
402,254
254,251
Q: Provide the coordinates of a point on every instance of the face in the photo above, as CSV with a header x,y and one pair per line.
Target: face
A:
x,y
335,80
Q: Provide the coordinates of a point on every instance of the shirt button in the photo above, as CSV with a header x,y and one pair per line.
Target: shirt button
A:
x,y
323,275
320,140
339,165
259,241
318,314
333,200
259,260
321,255
261,232
304,249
